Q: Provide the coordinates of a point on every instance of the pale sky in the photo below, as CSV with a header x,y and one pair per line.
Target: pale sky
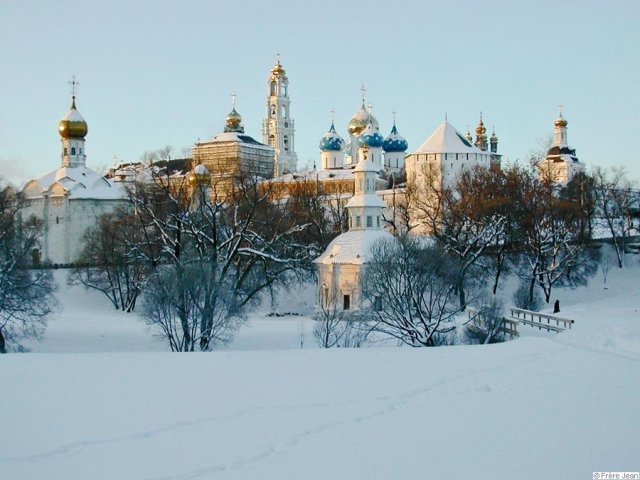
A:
x,y
156,73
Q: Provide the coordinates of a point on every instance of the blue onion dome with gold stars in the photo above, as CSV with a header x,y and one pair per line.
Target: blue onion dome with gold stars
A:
x,y
395,142
360,121
331,141
370,137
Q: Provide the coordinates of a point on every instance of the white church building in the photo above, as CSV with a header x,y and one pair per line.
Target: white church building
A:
x,y
340,267
70,198
561,163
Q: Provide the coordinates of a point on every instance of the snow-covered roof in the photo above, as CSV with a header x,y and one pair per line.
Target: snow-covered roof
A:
x,y
446,139
237,137
80,182
366,200
353,247
200,169
313,175
73,116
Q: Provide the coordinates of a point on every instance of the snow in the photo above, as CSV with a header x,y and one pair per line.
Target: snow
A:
x,y
74,116
80,181
446,139
348,247
366,200
553,406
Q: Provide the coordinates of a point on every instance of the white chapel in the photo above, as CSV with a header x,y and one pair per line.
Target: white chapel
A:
x,y
70,198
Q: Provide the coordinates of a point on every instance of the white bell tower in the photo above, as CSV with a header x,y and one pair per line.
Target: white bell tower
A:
x,y
278,127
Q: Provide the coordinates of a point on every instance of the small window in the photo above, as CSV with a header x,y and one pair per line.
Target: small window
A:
x,y
66,151
273,88
346,302
357,220
57,219
378,221
369,221
73,150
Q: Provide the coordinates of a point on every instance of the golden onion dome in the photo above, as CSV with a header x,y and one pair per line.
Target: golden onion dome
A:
x,y
360,120
199,175
234,119
278,70
480,129
561,122
73,124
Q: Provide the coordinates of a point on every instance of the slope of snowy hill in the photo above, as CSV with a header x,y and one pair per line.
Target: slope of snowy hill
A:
x,y
553,406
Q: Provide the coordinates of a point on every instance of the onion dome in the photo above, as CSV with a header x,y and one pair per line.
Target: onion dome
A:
x,y
468,136
395,142
494,138
199,175
278,70
234,119
73,124
480,129
331,141
560,121
370,137
360,120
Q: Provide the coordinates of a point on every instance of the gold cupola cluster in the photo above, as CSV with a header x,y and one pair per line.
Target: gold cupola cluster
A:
x,y
73,124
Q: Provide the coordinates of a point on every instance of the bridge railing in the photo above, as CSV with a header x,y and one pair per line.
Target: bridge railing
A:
x,y
541,321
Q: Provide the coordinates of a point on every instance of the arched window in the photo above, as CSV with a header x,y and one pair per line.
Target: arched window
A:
x,y
274,88
73,150
66,151
286,143
272,141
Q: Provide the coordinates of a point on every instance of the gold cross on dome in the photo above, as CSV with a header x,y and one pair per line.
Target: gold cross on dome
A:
x,y
233,99
74,86
362,90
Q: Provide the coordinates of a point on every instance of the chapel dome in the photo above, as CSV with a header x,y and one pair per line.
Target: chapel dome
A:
x,y
73,124
331,141
395,142
560,121
234,119
360,121
370,137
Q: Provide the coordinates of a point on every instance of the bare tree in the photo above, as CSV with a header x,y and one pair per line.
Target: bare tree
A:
x,y
411,292
549,242
26,295
467,219
616,198
108,265
230,243
182,302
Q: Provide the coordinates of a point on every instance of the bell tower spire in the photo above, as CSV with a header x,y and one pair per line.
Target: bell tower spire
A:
x,y
278,128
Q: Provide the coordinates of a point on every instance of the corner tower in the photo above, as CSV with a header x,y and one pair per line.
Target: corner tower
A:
x,y
278,127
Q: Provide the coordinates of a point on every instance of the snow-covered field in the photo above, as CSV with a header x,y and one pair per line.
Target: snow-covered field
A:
x,y
113,404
